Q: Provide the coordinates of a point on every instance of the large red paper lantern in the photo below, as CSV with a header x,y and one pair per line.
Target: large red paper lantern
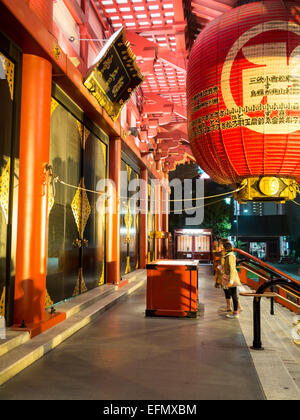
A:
x,y
243,91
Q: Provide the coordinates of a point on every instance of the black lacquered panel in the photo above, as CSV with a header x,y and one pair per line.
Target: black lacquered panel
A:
x,y
76,239
130,219
94,169
124,244
64,211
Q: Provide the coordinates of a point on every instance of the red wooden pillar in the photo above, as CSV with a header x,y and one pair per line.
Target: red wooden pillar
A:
x,y
165,217
84,45
31,257
158,219
143,218
113,216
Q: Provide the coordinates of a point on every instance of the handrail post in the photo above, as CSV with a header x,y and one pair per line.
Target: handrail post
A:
x,y
256,325
272,299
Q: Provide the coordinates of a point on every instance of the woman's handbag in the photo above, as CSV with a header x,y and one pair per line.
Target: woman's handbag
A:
x,y
225,280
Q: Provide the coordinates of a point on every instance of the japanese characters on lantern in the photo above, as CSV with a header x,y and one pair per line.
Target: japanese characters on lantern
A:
x,y
243,89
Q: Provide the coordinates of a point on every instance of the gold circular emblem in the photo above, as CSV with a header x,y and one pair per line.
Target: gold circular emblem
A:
x,y
269,185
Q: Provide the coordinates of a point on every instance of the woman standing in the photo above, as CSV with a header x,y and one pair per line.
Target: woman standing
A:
x,y
217,261
231,279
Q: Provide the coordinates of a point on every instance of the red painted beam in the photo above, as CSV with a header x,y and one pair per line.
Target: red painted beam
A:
x,y
76,11
172,60
157,108
143,48
216,5
212,13
179,110
202,15
104,24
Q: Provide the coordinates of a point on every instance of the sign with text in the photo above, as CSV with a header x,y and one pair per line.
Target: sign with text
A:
x,y
115,76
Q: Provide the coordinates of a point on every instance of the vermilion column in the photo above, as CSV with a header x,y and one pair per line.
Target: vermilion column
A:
x,y
84,45
113,216
165,216
143,218
30,280
158,218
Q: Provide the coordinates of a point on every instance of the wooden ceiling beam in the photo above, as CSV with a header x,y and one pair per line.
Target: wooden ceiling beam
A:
x,y
206,11
214,5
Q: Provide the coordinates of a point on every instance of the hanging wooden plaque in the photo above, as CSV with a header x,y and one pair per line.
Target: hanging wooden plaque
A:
x,y
115,74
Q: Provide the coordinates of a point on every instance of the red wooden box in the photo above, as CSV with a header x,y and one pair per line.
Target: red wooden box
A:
x,y
172,288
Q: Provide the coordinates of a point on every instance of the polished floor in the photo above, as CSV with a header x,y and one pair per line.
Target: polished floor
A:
x,y
123,355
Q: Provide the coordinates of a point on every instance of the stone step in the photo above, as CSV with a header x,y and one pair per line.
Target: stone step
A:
x,y
80,302
283,321
283,330
277,365
276,334
285,312
81,311
276,330
70,307
13,339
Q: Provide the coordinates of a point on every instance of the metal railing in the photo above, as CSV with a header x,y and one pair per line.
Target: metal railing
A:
x,y
273,278
256,307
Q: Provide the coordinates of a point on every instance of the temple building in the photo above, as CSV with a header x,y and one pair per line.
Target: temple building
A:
x,y
62,140
135,135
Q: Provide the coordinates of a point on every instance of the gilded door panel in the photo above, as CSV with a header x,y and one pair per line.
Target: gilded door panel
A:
x,y
63,274
124,263
6,119
94,170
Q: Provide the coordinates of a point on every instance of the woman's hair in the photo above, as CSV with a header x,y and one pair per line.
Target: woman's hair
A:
x,y
227,245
